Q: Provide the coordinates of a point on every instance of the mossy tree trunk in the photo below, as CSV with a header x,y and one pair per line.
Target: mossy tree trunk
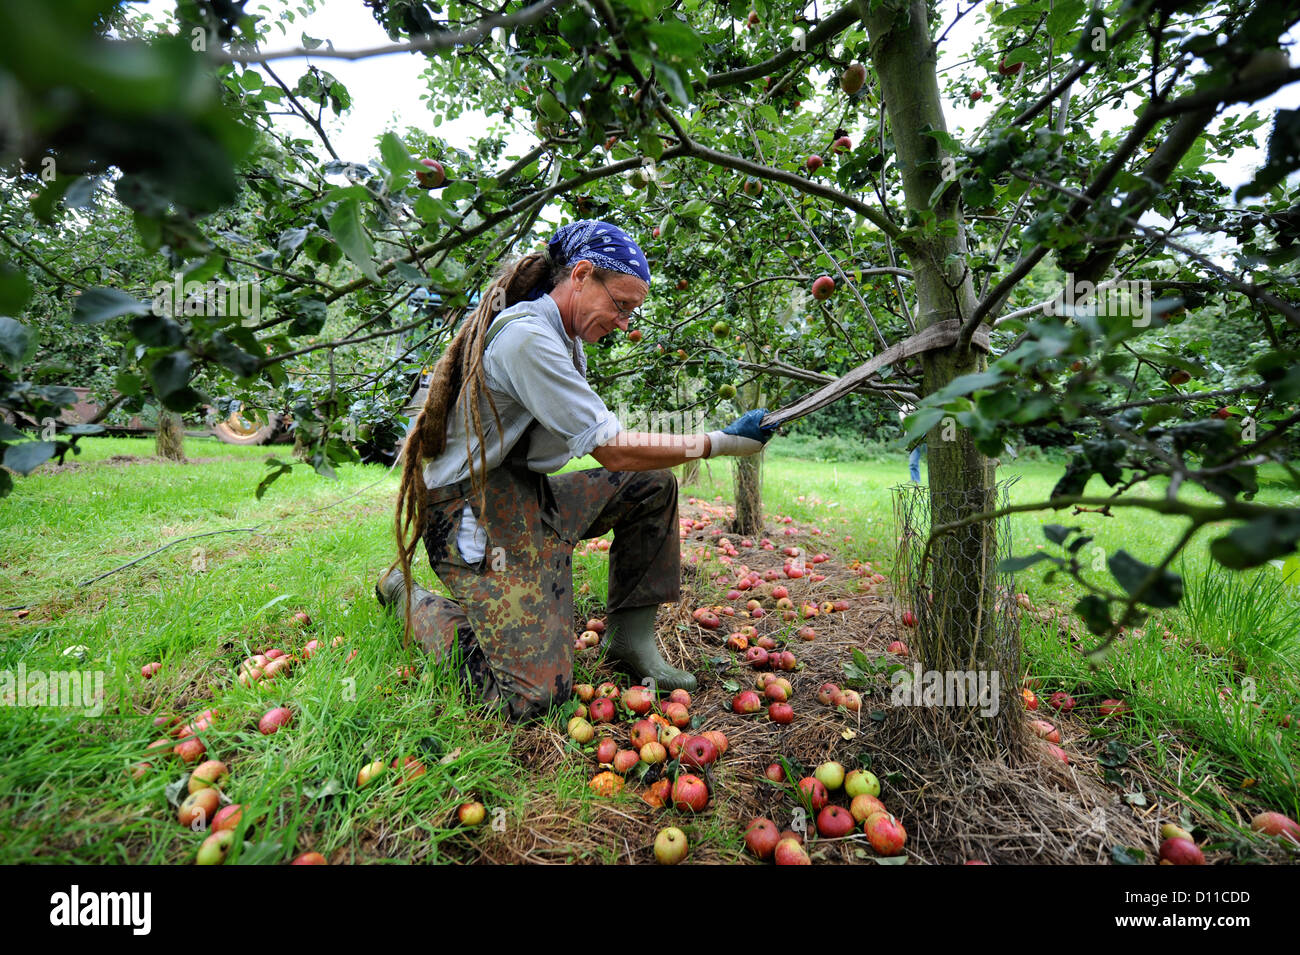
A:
x,y
957,631
169,441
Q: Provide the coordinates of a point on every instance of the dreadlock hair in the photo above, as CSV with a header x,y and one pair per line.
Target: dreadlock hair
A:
x,y
459,377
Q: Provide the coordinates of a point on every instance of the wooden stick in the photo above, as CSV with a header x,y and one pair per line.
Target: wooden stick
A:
x,y
939,335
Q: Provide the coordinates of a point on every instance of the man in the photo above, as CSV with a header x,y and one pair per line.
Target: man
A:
x,y
498,529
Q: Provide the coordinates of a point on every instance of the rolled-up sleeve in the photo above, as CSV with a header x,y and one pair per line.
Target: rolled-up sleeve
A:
x,y
528,364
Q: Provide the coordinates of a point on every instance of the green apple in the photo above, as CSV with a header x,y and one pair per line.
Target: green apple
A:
x,y
861,782
214,848
831,775
671,846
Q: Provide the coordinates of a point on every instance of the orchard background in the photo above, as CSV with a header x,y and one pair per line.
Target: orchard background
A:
x,y
752,149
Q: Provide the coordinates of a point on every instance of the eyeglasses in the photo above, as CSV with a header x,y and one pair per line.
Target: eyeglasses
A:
x,y
628,313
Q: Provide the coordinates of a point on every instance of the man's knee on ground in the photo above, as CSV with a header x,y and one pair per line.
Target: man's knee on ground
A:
x,y
535,704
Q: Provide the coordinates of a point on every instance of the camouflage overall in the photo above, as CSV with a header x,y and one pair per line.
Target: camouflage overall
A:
x,y
512,616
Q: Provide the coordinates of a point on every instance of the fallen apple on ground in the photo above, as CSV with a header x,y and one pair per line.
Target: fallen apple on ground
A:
x,y
885,833
864,805
860,781
830,774
1180,852
690,793
671,846
207,774
789,852
815,791
369,772
310,858
215,847
761,837
471,813
199,807
835,822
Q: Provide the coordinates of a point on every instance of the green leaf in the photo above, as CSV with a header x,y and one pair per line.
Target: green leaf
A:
x,y
28,456
397,160
17,343
1259,541
1095,612
1131,572
289,242
98,305
1057,533
674,82
1061,21
171,373
345,226
1124,855
1013,565
15,290
157,331
229,355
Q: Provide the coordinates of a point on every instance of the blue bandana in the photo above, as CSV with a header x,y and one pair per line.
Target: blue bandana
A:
x,y
602,244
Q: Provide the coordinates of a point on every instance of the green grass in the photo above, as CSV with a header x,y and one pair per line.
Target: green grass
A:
x,y
66,795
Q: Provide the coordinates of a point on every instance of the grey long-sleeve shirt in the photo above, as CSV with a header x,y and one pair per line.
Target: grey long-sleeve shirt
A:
x,y
533,371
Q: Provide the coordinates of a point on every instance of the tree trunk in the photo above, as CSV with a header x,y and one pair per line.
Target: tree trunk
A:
x,y
690,472
747,475
748,483
956,630
169,441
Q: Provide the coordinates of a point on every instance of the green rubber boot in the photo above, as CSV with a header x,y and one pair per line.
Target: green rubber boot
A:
x,y
632,643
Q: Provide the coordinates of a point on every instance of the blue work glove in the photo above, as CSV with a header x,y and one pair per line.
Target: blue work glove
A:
x,y
745,435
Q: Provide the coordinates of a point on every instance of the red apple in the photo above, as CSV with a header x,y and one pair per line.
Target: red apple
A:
x,y
812,787
1061,700
149,669
638,700
790,852
737,641
1112,708
719,741
625,760
690,793
471,813
775,772
776,692
606,750
207,774
272,720
899,648
653,753
756,657
678,715
1276,824
850,700
584,692
826,693
190,749
1180,852
199,808
227,817
909,618
812,164
432,176
609,691
782,713
310,858
842,145
680,696
864,805
602,710
699,752
644,731
885,833
834,822
761,837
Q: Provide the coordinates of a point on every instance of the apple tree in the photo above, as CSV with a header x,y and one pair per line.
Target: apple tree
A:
x,y
701,120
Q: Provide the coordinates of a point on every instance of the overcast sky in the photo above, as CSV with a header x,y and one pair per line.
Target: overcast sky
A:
x,y
386,90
